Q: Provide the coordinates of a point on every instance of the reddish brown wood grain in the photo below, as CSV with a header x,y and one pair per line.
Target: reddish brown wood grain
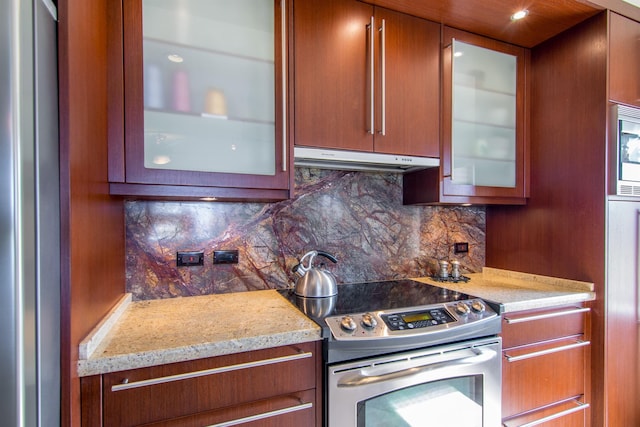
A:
x,y
92,223
561,230
331,82
333,94
219,395
624,60
412,85
533,383
491,18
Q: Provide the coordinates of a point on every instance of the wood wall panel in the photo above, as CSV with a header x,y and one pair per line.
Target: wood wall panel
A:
x,y
561,230
92,229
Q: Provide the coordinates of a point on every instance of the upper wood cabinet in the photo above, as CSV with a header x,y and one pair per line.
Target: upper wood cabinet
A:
x,y
366,79
198,104
483,156
624,60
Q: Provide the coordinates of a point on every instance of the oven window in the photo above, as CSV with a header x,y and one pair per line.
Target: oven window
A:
x,y
450,402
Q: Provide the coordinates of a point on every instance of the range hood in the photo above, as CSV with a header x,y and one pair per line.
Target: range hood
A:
x,y
360,161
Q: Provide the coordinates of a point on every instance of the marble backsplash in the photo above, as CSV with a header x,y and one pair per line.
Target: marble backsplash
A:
x,y
356,216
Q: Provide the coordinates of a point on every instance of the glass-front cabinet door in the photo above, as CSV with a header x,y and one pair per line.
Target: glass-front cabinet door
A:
x,y
204,94
484,142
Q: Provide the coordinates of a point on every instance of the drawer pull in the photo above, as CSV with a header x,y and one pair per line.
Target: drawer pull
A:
x,y
264,415
126,385
580,407
577,344
546,315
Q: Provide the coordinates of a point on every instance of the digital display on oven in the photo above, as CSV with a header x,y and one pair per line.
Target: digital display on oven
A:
x,y
417,319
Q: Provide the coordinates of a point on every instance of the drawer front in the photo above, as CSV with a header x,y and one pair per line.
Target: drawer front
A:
x,y
297,409
175,390
542,374
528,327
572,413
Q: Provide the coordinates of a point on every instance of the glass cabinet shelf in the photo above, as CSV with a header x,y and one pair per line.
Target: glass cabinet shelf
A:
x,y
207,82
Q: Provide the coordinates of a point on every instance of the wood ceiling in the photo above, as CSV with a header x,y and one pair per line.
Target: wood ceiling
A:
x,y
491,18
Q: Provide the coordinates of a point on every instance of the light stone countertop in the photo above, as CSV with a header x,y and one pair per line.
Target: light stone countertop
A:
x,y
514,291
148,333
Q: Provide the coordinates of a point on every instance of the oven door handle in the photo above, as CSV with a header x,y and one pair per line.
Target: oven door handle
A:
x,y
366,376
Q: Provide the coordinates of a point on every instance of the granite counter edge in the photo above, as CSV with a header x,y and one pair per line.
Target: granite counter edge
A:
x,y
104,365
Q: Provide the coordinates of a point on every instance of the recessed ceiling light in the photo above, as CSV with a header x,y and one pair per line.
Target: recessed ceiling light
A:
x,y
175,58
519,15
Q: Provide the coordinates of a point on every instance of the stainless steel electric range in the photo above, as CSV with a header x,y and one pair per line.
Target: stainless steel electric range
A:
x,y
405,353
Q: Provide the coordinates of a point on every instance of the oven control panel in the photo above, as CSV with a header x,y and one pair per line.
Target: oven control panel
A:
x,y
411,321
417,319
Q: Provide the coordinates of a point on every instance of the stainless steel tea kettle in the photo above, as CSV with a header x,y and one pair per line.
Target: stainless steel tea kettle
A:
x,y
315,282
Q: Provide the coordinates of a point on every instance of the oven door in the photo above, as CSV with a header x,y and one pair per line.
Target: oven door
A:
x,y
450,385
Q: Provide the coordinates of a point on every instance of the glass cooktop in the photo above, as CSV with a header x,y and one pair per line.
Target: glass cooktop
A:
x,y
374,296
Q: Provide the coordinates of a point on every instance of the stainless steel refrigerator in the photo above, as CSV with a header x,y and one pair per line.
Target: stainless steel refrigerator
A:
x,y
29,215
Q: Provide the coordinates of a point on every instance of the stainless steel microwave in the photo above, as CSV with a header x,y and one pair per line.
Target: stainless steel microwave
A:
x,y
628,137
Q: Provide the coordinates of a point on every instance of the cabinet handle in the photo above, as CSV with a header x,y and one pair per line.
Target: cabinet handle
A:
x,y
264,415
638,270
383,78
574,310
580,407
283,17
126,385
577,344
370,28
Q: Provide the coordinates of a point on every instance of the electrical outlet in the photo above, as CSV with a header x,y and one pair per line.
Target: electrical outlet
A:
x,y
189,258
225,257
461,248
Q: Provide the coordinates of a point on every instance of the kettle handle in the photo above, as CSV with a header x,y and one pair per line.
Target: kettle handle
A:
x,y
300,268
328,255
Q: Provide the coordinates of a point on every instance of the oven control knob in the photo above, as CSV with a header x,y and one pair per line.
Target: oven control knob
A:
x,y
348,324
462,308
478,306
368,321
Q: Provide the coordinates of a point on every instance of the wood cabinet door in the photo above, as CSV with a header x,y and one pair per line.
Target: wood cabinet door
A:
x,y
407,102
490,153
332,81
184,123
542,374
184,389
624,60
297,409
365,79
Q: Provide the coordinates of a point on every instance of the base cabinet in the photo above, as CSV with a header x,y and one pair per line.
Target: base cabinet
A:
x,y
271,387
544,367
